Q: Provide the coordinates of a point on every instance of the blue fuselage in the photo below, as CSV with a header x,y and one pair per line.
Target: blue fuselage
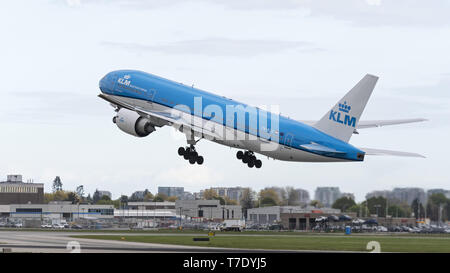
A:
x,y
290,133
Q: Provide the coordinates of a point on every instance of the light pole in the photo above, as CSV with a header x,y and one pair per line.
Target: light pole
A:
x,y
377,207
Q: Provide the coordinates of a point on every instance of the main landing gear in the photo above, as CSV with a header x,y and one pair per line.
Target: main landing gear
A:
x,y
249,158
190,154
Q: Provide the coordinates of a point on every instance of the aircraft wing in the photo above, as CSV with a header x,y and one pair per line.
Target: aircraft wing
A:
x,y
363,124
176,119
370,151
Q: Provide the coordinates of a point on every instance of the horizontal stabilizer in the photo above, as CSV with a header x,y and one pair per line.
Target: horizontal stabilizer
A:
x,y
378,123
314,147
363,124
370,151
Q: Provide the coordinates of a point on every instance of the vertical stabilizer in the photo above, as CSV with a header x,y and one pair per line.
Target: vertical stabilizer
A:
x,y
343,118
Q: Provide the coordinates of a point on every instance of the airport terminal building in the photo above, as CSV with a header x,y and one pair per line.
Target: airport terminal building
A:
x,y
57,210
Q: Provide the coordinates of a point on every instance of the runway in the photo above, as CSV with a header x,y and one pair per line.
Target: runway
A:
x,y
57,242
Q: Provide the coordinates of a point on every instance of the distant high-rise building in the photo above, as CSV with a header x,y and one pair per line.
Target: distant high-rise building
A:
x,y
327,195
198,195
303,196
187,196
385,194
171,191
433,191
233,193
407,195
400,195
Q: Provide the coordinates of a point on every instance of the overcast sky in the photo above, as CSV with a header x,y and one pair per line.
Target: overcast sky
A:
x,y
300,55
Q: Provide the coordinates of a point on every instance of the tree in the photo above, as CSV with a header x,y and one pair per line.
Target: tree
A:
x,y
398,211
247,200
267,202
96,196
172,198
293,198
73,197
209,194
343,203
89,198
57,184
377,205
105,197
269,194
436,202
160,197
229,201
221,200
148,196
55,196
316,204
123,199
80,191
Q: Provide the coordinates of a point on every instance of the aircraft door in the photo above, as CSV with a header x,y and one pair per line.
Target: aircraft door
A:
x,y
150,94
288,141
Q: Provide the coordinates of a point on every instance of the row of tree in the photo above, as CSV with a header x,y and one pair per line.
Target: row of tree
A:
x,y
437,207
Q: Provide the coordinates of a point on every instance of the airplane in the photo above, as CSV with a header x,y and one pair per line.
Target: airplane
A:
x,y
144,102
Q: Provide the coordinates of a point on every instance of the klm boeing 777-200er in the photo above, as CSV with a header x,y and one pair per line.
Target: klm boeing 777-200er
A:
x,y
144,102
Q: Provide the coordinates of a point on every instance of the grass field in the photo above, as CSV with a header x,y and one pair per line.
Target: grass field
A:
x,y
297,242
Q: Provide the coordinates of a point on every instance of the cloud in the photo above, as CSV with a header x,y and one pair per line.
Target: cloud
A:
x,y
217,47
360,12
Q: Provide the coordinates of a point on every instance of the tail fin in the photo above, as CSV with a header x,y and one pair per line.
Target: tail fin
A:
x,y
343,118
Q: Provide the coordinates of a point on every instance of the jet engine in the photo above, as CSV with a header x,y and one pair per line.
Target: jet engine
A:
x,y
132,123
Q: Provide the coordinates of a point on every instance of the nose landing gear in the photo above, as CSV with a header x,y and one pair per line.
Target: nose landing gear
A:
x,y
190,154
249,158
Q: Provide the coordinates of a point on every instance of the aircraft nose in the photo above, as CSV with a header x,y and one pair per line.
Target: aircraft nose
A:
x,y
105,83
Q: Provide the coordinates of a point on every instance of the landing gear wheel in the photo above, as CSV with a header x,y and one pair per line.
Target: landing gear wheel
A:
x,y
249,158
245,158
192,160
258,163
251,164
200,160
181,151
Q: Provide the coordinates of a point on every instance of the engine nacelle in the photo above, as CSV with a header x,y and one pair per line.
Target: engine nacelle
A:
x,y
132,123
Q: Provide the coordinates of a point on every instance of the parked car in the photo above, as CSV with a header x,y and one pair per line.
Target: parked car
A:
x,y
333,218
382,229
57,226
371,222
344,218
358,221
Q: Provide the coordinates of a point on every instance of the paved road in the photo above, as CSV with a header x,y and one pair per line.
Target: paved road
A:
x,y
52,242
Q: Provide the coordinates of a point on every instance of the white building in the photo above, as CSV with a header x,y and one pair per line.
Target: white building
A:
x,y
207,209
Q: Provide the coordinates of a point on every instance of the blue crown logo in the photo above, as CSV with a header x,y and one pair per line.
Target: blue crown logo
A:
x,y
344,107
